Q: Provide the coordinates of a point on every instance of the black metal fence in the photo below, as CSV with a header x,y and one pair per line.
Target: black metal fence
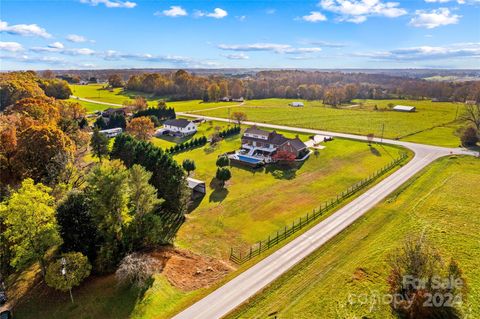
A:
x,y
239,258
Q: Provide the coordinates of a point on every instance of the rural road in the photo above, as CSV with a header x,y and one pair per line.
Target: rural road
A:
x,y
238,290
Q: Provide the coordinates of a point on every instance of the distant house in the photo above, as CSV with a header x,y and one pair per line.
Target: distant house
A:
x,y
404,108
180,126
470,102
111,132
296,104
268,143
112,111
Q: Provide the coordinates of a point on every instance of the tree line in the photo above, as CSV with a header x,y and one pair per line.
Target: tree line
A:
x,y
331,87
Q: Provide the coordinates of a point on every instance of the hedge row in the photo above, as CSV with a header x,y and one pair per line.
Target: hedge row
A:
x,y
195,142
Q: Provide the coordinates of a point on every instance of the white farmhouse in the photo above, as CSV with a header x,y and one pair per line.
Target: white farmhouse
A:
x,y
180,126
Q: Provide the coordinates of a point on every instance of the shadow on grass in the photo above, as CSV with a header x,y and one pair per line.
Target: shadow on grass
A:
x,y
374,151
219,192
171,224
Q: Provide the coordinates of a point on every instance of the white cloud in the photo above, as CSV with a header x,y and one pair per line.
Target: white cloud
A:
x,y
11,46
357,11
59,48
241,18
456,50
273,47
217,13
326,44
314,16
26,30
174,11
433,19
56,45
111,3
76,38
270,11
239,56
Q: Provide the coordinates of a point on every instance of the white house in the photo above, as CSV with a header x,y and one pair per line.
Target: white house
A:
x,y
111,132
180,126
296,104
404,108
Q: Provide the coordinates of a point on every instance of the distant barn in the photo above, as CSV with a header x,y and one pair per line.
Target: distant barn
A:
x,y
296,104
404,108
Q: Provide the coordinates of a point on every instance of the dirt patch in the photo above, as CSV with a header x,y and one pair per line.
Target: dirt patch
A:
x,y
359,274
188,271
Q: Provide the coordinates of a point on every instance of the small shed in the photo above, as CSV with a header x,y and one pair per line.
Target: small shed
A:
x,y
198,187
404,108
296,104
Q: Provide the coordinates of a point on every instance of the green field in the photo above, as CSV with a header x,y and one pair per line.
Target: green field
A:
x,y
431,124
441,201
245,212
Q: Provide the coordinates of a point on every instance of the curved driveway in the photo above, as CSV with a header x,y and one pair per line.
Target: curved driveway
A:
x,y
238,290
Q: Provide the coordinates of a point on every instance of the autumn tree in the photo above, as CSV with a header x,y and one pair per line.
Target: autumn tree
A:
x,y
141,128
213,92
115,81
43,110
29,214
43,152
15,86
239,117
469,136
56,88
188,165
284,157
139,103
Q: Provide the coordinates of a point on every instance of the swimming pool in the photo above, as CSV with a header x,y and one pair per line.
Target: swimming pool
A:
x,y
248,159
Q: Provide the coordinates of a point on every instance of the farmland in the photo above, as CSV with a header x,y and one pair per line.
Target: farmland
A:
x,y
440,202
434,123
237,216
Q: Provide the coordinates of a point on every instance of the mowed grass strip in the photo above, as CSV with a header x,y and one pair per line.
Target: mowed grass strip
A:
x,y
441,201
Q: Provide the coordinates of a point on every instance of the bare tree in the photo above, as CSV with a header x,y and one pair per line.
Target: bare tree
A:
x,y
136,269
472,114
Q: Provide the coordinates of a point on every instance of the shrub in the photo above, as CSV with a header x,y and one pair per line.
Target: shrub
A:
x,y
136,270
469,137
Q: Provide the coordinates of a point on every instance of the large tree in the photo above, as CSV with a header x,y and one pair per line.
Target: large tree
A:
x,y
223,174
115,81
99,144
76,224
43,153
29,214
141,128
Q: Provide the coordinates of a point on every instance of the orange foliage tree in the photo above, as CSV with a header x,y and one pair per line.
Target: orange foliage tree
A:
x,y
141,128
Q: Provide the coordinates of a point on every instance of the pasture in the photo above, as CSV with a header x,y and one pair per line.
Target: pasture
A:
x,y
440,201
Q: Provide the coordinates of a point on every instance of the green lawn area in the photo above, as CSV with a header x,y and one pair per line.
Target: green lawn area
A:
x,y
431,124
257,203
441,201
428,125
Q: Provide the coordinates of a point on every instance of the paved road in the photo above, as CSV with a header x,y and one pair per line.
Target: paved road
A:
x,y
229,296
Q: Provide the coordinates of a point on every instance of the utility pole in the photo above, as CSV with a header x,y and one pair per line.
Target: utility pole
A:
x,y
63,261
383,130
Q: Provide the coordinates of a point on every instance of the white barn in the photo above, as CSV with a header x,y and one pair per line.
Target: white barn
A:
x,y
404,108
180,126
296,104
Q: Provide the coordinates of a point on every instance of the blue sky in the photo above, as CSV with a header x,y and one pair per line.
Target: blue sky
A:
x,y
89,34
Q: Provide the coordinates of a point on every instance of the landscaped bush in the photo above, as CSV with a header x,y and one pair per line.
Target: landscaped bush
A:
x,y
229,132
160,113
195,142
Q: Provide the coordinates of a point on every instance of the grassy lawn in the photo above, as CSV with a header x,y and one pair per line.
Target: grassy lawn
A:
x,y
361,119
257,203
440,201
431,124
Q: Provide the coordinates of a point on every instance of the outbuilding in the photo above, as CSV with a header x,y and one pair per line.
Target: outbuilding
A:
x,y
404,108
297,104
198,187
